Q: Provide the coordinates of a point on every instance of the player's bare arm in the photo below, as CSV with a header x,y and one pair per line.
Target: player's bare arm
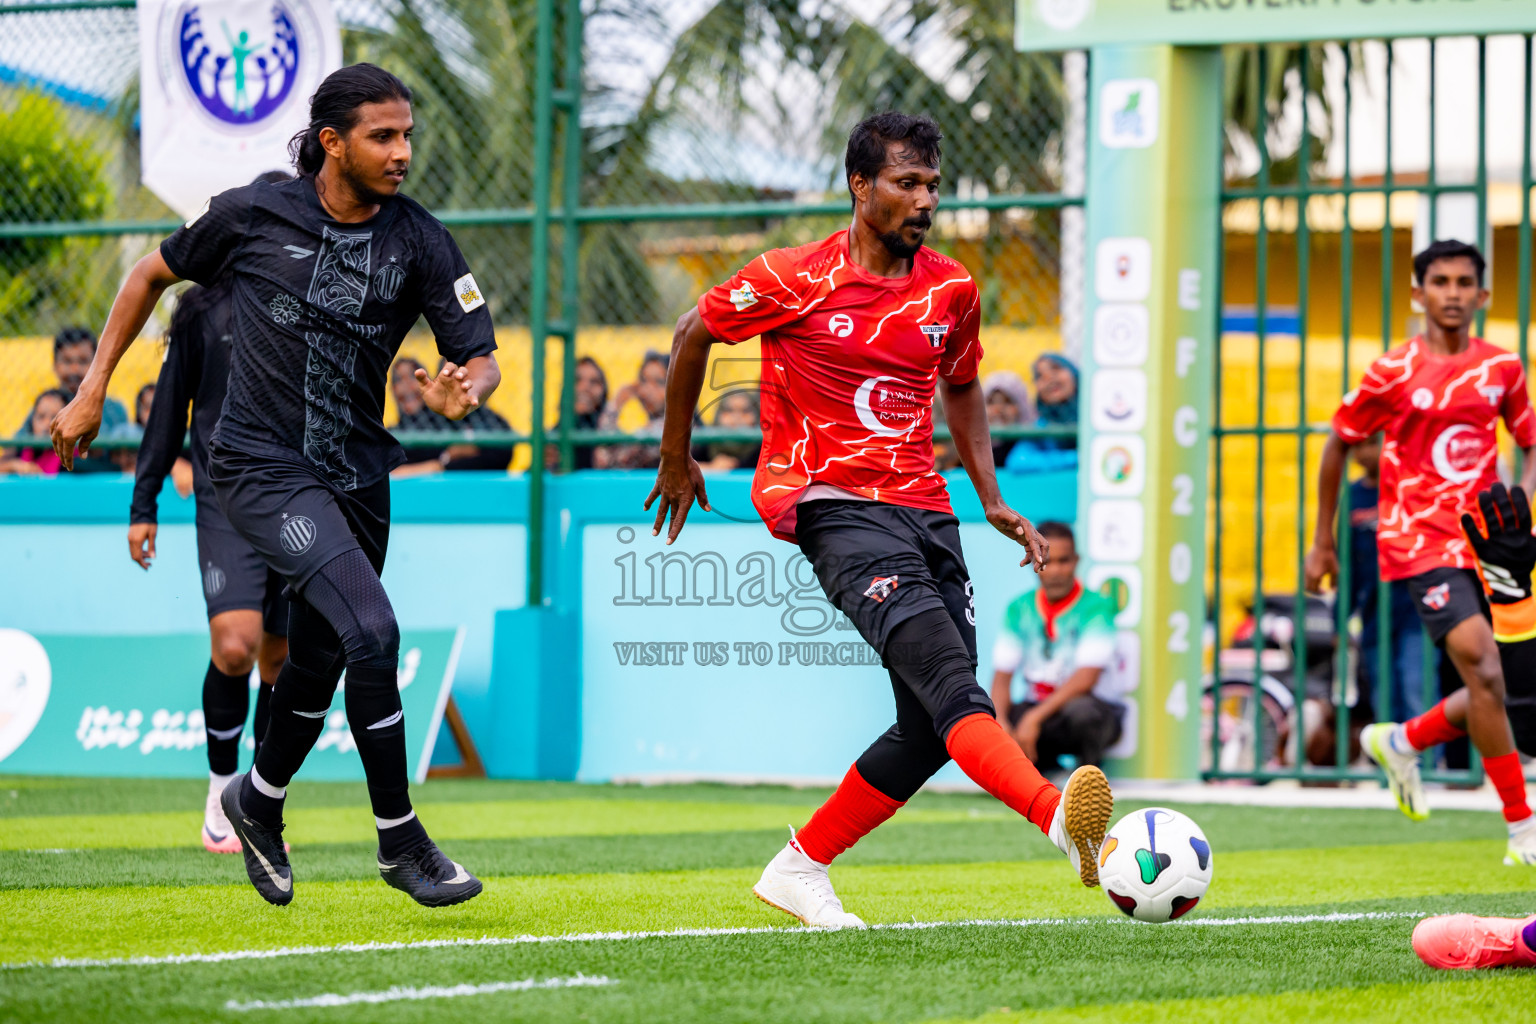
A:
x,y
679,480
965,409
457,391
78,422
1322,561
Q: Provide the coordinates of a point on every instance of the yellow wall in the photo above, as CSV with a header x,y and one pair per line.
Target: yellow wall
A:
x,y
619,350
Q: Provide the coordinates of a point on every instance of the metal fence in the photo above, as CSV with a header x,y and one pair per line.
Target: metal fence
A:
x,y
1358,156
600,163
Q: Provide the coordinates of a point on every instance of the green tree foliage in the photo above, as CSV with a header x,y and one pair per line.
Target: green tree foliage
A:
x,y
47,173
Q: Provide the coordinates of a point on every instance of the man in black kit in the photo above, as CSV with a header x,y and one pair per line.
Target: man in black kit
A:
x,y
328,274
247,612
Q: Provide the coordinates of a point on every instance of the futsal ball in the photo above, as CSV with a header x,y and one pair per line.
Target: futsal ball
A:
x,y
1155,864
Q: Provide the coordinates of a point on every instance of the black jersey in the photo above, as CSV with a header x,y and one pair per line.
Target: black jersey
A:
x,y
317,312
195,370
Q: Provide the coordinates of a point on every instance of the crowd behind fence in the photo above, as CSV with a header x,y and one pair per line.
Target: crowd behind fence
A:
x,y
697,135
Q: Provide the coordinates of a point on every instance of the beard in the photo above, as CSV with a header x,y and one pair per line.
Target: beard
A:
x,y
898,246
365,192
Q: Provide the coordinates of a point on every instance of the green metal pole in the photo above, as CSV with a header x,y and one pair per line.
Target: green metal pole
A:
x,y
1484,240
1216,491
1346,583
1261,302
570,229
1524,314
1434,197
538,311
1303,272
1383,591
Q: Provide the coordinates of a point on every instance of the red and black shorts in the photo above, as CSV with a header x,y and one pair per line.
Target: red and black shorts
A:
x,y
1445,598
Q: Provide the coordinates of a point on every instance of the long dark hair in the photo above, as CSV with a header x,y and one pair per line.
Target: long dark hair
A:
x,y
334,105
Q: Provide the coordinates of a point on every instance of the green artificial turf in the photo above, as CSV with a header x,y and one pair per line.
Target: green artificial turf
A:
x,y
107,870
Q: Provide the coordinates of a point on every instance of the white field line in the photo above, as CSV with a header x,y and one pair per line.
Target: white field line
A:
x,y
398,993
529,940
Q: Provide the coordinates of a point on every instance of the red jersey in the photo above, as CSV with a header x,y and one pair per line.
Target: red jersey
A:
x,y
850,362
1440,414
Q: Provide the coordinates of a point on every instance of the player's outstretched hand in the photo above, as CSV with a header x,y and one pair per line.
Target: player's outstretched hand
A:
x,y
76,424
1020,530
678,481
1507,552
141,543
1322,563
449,393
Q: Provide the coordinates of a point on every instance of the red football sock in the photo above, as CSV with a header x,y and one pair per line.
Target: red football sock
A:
x,y
991,758
1505,774
1431,728
850,814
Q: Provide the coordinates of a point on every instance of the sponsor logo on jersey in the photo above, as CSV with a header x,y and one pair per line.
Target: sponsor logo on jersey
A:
x,y
1493,392
1422,398
881,588
387,282
1458,453
213,580
743,297
1438,597
298,253
841,325
886,410
297,534
936,334
468,293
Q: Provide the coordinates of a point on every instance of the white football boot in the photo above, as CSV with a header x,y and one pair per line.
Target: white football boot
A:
x,y
1081,820
1386,743
1521,851
218,836
799,886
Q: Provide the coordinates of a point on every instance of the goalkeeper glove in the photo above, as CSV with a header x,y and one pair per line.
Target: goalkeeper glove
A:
x,y
1505,556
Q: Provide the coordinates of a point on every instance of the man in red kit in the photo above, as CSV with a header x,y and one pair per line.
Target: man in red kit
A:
x,y
1439,399
858,332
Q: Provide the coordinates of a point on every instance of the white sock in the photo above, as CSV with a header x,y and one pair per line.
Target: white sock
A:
x,y
217,782
266,788
392,822
1397,739
1524,825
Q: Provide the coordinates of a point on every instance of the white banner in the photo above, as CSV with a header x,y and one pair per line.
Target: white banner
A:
x,y
224,85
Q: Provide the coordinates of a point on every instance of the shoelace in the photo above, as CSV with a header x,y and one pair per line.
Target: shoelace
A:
x,y
429,862
821,885
273,837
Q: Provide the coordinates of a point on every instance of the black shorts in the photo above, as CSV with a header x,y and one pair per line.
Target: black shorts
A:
x,y
295,519
882,564
234,576
1445,598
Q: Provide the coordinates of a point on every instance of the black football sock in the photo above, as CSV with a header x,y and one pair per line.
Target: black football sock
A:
x,y
225,699
261,801
378,727
263,716
400,836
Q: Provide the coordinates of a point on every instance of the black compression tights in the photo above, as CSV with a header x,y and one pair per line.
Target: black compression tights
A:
x,y
343,618
934,680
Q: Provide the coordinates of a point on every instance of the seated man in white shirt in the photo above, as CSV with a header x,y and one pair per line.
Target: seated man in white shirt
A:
x,y
1059,640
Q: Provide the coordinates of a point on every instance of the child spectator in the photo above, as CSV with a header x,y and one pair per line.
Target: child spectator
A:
x,y
33,461
1056,381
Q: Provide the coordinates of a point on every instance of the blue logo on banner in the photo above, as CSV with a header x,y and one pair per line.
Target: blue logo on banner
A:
x,y
238,75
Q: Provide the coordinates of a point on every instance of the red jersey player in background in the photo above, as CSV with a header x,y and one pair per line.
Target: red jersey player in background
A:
x,y
858,332
1439,399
